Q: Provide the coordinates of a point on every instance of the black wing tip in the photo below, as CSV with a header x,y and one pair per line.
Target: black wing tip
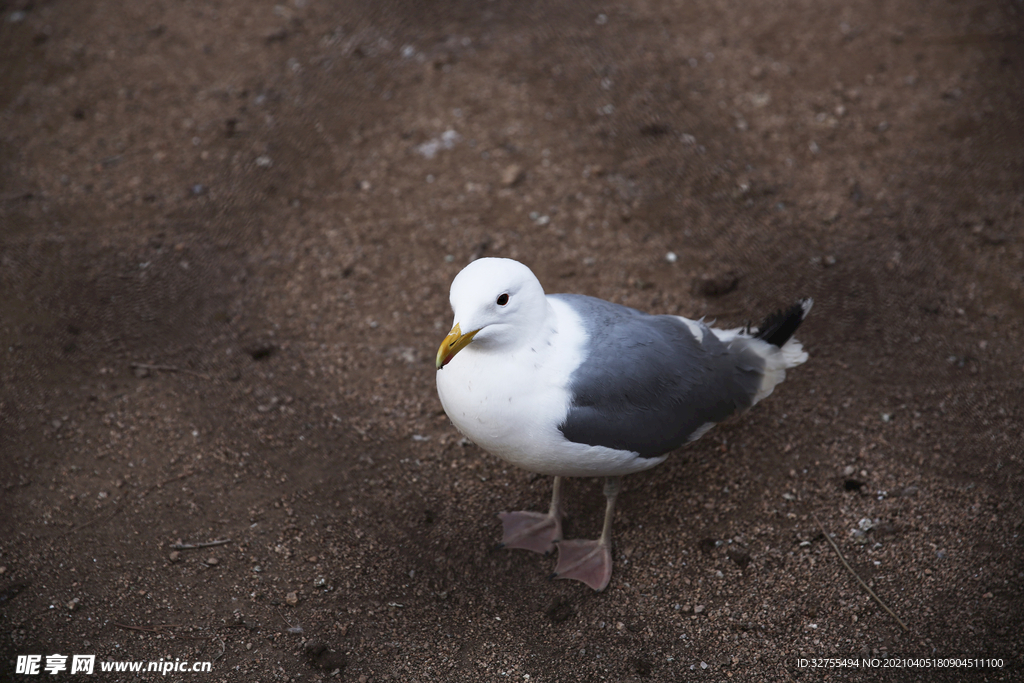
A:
x,y
780,326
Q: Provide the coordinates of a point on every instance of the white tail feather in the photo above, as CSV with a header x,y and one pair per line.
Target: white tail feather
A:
x,y
776,362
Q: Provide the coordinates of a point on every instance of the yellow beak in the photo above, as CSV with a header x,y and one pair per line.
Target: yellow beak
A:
x,y
452,344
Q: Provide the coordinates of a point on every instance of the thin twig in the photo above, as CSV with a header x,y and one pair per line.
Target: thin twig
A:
x,y
293,630
167,368
159,628
221,653
195,546
103,518
859,580
160,485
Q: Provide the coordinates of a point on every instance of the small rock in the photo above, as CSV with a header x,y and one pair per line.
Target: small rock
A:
x,y
174,556
513,175
292,598
312,558
849,470
698,609
261,350
73,605
321,656
655,130
718,285
212,561
884,529
741,556
559,610
141,372
278,36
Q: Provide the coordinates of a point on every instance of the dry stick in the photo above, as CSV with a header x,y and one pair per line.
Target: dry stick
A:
x,y
222,647
159,628
859,580
167,368
142,495
194,546
160,485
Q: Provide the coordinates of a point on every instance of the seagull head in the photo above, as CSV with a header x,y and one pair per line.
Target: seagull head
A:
x,y
498,304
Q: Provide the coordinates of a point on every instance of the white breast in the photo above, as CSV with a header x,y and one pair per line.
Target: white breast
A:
x,y
511,403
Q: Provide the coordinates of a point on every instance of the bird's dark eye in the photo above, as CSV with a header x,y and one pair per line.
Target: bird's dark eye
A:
x,y
503,299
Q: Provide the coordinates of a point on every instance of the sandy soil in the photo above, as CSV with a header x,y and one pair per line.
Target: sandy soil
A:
x,y
228,231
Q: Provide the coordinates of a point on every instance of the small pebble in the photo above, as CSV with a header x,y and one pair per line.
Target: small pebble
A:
x,y
698,609
292,598
512,175
174,556
212,561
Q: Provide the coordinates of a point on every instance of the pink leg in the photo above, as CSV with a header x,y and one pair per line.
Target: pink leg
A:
x,y
533,530
591,561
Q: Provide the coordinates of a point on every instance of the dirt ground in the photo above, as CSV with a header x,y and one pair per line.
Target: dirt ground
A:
x,y
228,232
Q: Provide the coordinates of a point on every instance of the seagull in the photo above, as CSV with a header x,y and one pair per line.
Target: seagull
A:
x,y
572,386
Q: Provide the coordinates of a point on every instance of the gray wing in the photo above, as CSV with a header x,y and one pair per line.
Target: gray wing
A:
x,y
647,384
